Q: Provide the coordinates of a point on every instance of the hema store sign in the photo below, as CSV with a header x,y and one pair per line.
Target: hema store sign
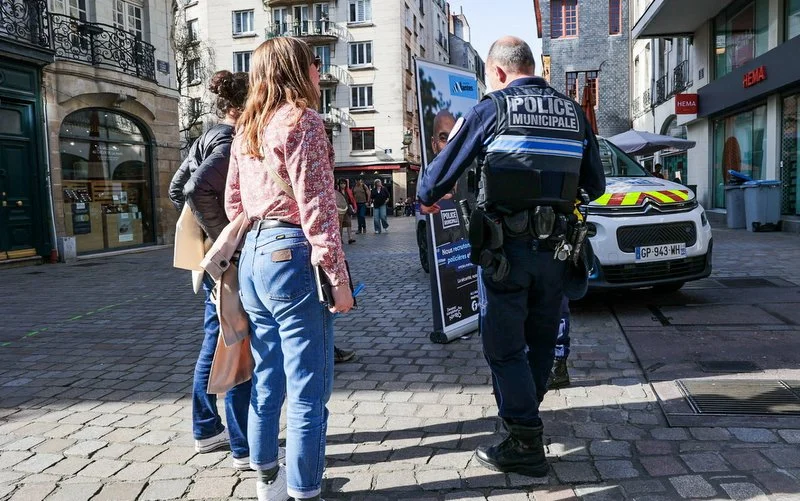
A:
x,y
685,104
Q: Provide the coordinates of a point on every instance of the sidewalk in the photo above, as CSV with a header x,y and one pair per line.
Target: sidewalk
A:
x,y
96,362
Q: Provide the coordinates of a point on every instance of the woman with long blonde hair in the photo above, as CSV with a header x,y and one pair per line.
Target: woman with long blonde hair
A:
x,y
281,176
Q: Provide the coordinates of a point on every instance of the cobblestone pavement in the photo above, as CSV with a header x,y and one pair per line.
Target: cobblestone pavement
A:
x,y
96,361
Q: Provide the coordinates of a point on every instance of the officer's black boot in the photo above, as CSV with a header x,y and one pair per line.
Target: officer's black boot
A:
x,y
521,452
559,377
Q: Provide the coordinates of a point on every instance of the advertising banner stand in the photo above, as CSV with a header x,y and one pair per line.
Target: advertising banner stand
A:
x,y
445,94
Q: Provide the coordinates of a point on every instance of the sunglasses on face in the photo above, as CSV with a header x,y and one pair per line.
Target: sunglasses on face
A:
x,y
317,62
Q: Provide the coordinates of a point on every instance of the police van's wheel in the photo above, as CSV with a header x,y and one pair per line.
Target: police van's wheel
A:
x,y
667,288
422,244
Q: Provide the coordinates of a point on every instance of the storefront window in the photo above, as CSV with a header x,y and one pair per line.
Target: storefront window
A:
x,y
790,155
741,33
674,162
739,144
792,18
106,177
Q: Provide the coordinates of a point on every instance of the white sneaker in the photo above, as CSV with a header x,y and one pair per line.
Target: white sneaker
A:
x,y
386,230
213,443
275,490
243,464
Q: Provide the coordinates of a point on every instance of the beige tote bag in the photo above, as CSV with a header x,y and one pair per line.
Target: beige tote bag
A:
x,y
189,242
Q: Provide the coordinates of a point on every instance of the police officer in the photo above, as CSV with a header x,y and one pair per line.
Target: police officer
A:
x,y
535,149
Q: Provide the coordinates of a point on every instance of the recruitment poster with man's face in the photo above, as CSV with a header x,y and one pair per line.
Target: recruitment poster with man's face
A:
x,y
445,95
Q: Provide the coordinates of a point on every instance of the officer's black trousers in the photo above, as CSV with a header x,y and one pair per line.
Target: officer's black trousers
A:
x,y
519,326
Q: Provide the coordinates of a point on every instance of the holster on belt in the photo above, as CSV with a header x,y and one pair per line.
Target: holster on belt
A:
x,y
486,242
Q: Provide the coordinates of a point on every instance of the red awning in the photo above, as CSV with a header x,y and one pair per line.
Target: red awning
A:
x,y
365,168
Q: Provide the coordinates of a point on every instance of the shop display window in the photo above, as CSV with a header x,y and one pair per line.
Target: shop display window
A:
x,y
741,33
106,181
740,143
790,155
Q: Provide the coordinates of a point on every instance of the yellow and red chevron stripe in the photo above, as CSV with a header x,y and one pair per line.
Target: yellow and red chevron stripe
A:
x,y
639,197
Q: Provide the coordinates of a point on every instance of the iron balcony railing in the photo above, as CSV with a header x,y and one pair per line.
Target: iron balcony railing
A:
x,y
302,29
636,106
647,100
26,21
662,91
681,77
331,73
102,45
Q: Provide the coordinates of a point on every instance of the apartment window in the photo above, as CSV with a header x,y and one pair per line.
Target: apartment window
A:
x,y
326,101
360,54
409,25
422,7
409,59
792,18
243,22
593,82
73,8
128,17
193,71
321,12
422,52
363,139
572,85
241,61
563,18
741,33
195,107
193,30
361,97
414,24
360,11
614,17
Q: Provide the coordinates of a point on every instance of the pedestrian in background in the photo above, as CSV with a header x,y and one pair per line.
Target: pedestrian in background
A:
x,y
380,197
524,190
200,183
361,194
281,177
346,207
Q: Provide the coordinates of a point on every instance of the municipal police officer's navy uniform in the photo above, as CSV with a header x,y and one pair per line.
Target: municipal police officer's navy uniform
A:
x,y
534,149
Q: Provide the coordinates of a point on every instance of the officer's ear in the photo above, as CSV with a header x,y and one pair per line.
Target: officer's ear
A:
x,y
502,76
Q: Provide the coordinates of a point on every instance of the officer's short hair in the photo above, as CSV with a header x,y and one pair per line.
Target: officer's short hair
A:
x,y
512,54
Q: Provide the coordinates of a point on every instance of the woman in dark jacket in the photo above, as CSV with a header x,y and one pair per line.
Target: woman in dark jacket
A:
x,y
200,182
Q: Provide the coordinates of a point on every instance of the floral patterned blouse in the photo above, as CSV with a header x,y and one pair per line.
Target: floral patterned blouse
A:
x,y
303,157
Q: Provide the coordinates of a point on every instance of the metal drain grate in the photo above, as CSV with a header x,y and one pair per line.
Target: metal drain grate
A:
x,y
741,396
728,366
745,283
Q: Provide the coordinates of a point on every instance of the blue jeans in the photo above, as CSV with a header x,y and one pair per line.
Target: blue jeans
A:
x,y
563,341
519,325
292,344
206,421
362,217
379,218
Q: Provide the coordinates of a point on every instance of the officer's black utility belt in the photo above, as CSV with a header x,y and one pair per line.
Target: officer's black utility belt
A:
x,y
560,233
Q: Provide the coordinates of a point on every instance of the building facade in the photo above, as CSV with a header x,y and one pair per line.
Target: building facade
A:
x,y
462,53
586,43
740,55
661,71
367,49
88,128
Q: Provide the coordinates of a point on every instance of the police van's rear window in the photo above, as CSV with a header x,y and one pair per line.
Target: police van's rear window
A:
x,y
617,163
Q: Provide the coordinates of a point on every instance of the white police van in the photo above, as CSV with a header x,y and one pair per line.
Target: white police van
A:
x,y
645,231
